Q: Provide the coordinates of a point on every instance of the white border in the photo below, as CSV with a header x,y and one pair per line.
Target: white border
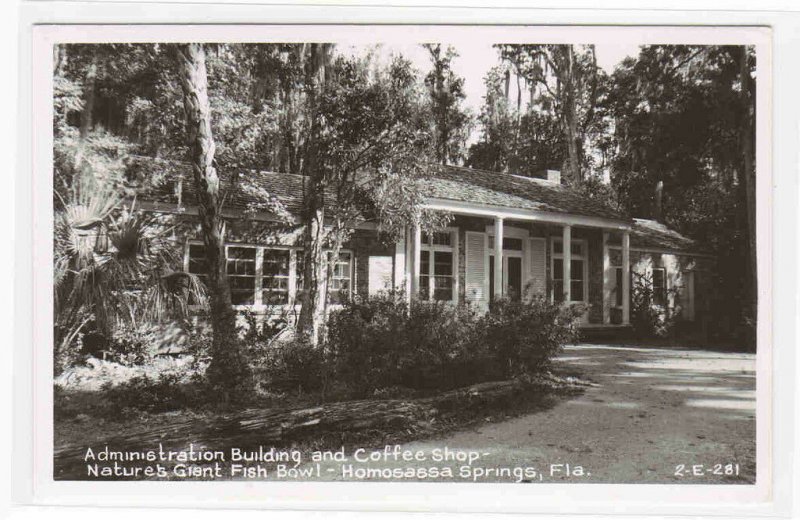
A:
x,y
551,498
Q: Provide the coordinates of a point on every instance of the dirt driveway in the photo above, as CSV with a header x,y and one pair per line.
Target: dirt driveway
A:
x,y
655,415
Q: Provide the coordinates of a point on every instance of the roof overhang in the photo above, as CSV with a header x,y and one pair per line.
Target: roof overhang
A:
x,y
486,210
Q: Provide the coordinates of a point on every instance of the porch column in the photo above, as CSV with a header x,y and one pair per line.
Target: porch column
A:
x,y
566,248
606,280
626,278
417,256
498,258
408,271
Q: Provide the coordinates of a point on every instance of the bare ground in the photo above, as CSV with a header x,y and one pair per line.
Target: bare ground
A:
x,y
650,412
656,416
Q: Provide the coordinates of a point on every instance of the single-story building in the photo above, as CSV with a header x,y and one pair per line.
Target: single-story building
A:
x,y
509,236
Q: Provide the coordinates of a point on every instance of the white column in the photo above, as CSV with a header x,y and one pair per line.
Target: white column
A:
x,y
399,271
417,256
408,257
498,258
626,278
606,280
566,248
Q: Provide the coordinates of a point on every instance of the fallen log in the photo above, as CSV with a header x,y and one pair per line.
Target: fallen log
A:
x,y
284,427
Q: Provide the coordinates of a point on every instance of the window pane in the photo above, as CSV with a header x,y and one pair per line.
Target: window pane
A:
x,y
576,248
241,261
558,247
618,289
242,290
514,244
299,265
658,278
276,262
558,269
659,287
576,269
442,238
197,259
558,290
443,288
576,288
424,266
275,281
340,281
241,268
424,293
443,263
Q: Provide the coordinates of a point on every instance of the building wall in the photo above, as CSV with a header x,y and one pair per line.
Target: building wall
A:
x,y
365,244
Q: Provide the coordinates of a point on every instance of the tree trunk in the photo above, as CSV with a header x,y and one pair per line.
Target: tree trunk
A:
x,y
312,311
228,369
571,122
89,89
749,176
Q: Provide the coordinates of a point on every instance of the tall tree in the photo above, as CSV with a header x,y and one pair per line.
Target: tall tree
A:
x,y
368,132
228,369
525,140
452,123
567,76
311,316
683,116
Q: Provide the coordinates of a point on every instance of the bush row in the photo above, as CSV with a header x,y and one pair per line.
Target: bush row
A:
x,y
384,342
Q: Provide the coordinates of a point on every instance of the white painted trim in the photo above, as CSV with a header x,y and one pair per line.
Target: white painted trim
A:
x,y
663,251
606,291
509,231
486,210
584,257
293,250
626,278
432,249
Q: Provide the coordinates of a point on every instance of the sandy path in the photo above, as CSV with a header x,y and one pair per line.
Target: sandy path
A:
x,y
651,411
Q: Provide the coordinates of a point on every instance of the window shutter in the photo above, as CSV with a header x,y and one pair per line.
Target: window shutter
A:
x,y
538,283
475,267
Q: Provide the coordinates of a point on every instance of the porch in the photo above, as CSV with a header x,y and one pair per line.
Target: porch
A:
x,y
489,253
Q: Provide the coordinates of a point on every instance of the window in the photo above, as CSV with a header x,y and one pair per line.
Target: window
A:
x,y
241,269
340,281
263,275
197,262
509,244
578,269
618,286
659,286
275,277
437,267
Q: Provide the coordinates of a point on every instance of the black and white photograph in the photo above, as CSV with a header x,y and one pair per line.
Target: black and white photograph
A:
x,y
472,260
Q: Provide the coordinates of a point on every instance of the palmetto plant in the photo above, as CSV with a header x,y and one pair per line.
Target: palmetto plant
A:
x,y
113,264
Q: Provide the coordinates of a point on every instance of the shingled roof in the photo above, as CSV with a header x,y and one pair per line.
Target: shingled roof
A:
x,y
513,191
448,183
655,235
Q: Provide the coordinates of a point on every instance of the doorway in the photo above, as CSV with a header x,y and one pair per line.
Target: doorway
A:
x,y
512,275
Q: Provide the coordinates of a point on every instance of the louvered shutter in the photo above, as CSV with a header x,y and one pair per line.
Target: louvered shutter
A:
x,y
538,273
475,267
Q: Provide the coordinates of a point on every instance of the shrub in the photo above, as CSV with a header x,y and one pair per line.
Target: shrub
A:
x,y
523,336
293,365
167,392
381,342
132,345
648,319
365,341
